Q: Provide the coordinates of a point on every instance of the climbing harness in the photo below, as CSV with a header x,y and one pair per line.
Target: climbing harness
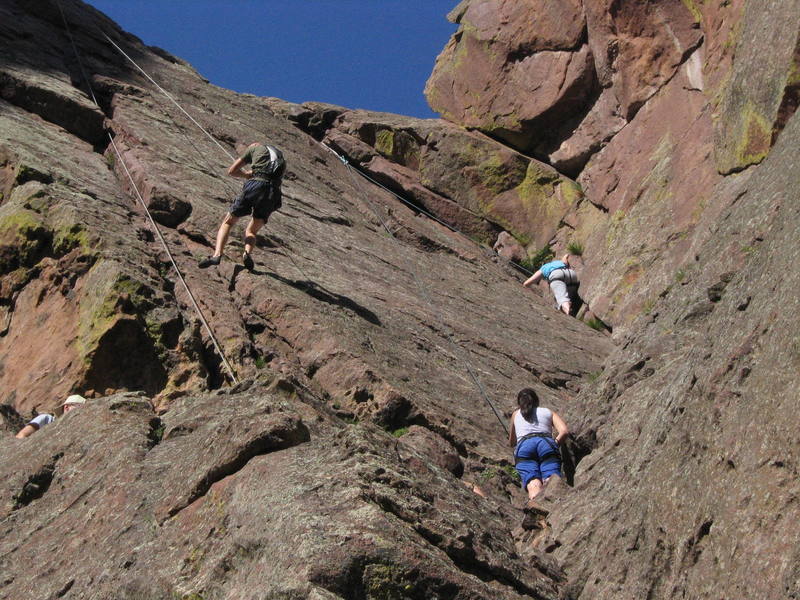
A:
x,y
548,437
146,210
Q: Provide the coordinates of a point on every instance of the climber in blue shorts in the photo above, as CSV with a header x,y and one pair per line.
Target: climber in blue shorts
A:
x,y
537,456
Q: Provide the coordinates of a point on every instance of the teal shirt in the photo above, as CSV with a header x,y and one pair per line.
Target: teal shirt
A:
x,y
554,265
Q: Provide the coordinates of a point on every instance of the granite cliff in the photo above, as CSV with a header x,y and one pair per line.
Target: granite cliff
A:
x,y
659,138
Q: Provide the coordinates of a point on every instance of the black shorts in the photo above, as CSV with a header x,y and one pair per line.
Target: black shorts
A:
x,y
262,198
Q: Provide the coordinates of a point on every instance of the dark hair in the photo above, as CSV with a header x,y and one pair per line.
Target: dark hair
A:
x,y
528,401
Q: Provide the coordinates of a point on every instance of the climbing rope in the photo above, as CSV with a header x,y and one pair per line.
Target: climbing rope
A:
x,y
163,91
146,210
421,210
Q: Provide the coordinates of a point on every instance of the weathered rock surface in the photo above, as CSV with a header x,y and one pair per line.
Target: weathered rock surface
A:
x,y
496,53
277,500
696,467
686,154
684,454
559,79
762,89
291,486
467,180
689,229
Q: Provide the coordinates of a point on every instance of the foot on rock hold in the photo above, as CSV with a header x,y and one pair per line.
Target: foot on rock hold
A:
x,y
247,261
210,261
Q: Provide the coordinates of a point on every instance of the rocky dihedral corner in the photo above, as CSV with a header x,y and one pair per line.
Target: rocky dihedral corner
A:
x,y
299,482
678,120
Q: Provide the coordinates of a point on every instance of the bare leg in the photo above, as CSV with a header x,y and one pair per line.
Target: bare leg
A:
x,y
223,233
250,233
534,487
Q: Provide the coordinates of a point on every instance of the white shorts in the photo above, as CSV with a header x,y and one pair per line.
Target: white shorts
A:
x,y
564,284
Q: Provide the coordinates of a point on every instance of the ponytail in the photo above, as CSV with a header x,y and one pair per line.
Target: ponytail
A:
x,y
528,402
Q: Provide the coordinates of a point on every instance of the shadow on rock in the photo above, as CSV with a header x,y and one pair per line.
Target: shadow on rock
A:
x,y
318,292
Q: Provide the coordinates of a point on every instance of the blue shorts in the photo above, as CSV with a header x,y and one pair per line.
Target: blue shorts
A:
x,y
537,458
262,198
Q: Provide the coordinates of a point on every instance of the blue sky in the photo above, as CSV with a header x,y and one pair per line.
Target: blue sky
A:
x,y
372,54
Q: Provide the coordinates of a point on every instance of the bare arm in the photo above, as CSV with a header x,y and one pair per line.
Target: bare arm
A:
x,y
565,260
27,430
561,427
533,279
237,169
512,434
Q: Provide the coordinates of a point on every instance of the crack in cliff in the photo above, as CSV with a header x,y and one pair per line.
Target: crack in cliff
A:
x,y
460,551
291,433
79,119
37,484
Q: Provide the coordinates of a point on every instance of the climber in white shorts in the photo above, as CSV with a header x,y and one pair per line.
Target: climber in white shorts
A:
x,y
563,282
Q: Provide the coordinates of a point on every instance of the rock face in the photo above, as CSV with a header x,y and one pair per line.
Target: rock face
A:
x,y
296,483
559,79
686,155
279,500
468,181
359,457
689,488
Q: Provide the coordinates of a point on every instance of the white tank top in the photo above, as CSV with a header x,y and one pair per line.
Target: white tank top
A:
x,y
544,424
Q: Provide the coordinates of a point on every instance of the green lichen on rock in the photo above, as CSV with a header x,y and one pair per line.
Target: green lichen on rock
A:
x,y
753,137
398,146
387,582
697,15
23,240
114,296
384,142
68,237
536,193
570,192
499,174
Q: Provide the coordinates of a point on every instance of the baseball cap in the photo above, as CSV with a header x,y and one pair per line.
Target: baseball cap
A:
x,y
74,399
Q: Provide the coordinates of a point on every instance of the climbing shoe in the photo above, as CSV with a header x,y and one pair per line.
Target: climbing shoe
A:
x,y
210,261
247,261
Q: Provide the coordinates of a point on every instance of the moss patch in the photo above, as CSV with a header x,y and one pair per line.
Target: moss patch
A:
x,y
69,237
499,174
536,192
400,432
755,138
384,142
570,192
692,7
23,240
387,582
120,297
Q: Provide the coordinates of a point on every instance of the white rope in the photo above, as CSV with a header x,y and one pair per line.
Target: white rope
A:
x,y
419,209
174,264
419,282
146,210
163,91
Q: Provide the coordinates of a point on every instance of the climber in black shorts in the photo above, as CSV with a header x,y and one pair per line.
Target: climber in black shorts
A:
x,y
260,196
